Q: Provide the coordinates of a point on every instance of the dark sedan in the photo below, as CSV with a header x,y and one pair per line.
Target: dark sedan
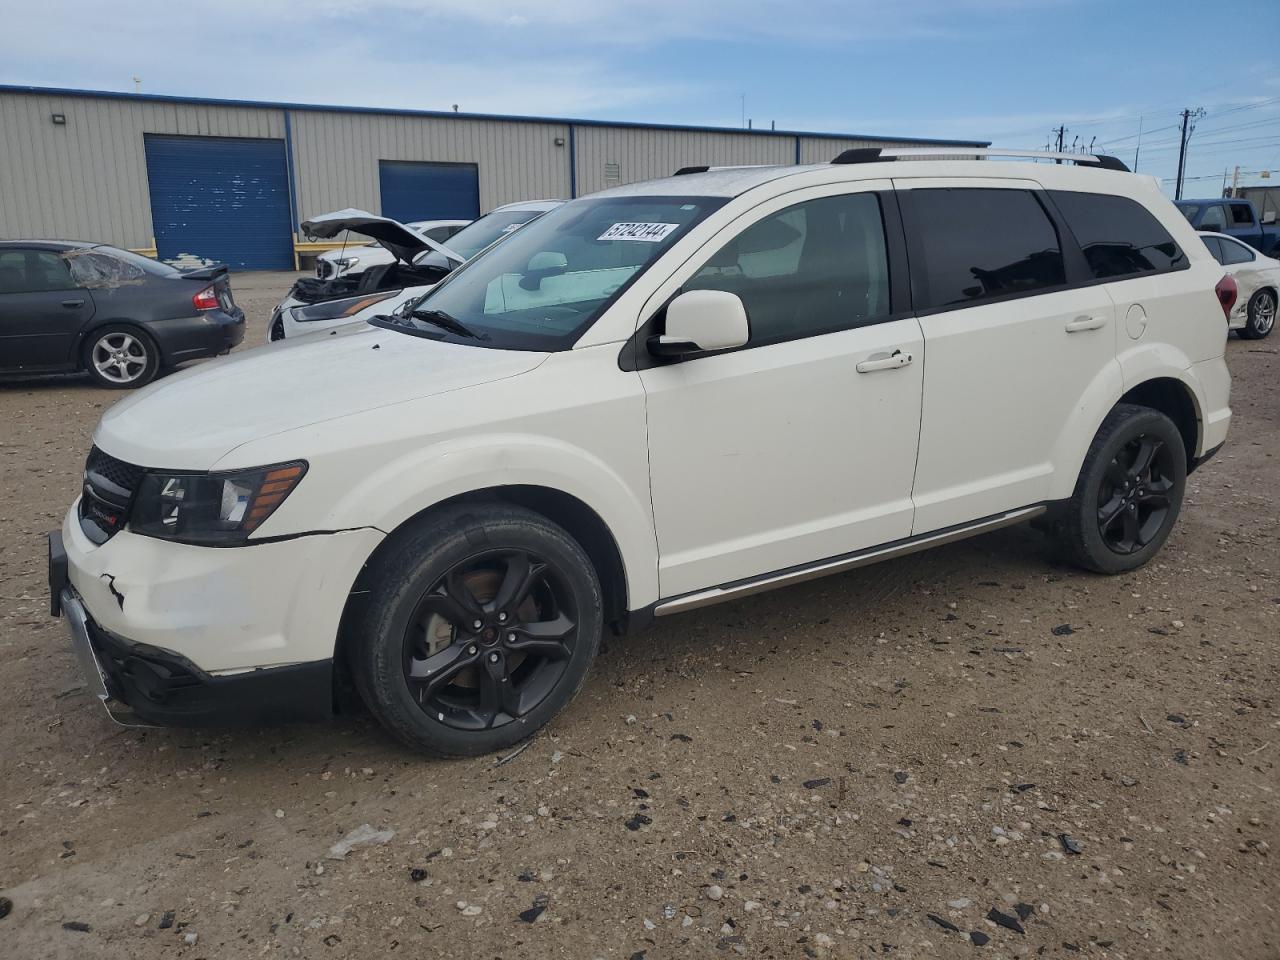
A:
x,y
66,305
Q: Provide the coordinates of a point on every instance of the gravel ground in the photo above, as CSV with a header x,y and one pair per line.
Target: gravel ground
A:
x,y
973,747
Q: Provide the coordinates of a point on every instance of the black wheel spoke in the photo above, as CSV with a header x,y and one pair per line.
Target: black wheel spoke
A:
x,y
521,574
497,694
1108,512
1116,474
1146,453
1131,529
460,594
458,614
436,672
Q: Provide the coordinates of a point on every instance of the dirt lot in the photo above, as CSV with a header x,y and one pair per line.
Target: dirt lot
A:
x,y
859,766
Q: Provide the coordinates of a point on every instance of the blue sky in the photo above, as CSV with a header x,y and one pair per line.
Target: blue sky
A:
x,y
1002,70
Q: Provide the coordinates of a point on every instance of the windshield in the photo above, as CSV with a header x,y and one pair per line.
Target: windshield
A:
x,y
540,288
471,239
1189,210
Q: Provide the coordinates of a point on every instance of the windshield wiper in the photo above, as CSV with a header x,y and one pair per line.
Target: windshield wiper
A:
x,y
448,322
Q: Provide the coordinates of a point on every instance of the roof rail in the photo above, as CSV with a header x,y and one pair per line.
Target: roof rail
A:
x,y
882,154
703,168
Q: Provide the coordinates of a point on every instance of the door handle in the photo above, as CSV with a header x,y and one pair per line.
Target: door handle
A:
x,y
1085,323
72,304
884,361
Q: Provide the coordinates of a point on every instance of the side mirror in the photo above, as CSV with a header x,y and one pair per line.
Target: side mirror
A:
x,y
1269,217
433,260
701,321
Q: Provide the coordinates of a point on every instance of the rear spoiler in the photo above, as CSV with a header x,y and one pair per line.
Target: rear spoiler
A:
x,y
213,271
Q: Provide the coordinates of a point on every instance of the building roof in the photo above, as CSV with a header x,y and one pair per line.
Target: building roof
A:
x,y
444,114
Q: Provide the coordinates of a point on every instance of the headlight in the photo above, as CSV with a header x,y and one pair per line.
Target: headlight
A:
x,y
346,262
339,309
213,509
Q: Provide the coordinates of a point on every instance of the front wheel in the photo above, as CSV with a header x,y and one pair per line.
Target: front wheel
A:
x,y
1129,491
480,627
1261,314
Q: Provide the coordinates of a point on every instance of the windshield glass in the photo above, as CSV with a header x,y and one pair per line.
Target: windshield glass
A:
x,y
470,240
1189,210
540,288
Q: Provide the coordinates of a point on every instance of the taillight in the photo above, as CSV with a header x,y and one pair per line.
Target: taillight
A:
x,y
1227,291
207,299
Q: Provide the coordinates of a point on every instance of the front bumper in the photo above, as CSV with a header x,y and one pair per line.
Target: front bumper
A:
x,y
139,683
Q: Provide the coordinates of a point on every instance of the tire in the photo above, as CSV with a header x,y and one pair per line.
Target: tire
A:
x,y
121,357
1262,315
1141,515
433,678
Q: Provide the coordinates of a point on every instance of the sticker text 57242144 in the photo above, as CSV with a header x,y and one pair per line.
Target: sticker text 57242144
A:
x,y
646,232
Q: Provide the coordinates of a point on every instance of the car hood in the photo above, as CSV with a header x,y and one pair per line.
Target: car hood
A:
x,y
191,420
403,242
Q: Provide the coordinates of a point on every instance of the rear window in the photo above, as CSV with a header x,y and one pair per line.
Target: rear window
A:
x,y
1119,236
981,244
1241,215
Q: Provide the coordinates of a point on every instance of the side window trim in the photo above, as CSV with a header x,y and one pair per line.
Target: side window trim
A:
x,y
635,356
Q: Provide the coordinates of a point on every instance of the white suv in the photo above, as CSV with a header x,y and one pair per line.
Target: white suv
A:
x,y
651,399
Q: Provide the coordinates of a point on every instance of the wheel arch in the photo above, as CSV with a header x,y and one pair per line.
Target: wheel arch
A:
x,y
575,516
1177,401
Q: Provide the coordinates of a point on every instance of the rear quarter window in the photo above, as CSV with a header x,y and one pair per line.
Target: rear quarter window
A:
x,y
1119,236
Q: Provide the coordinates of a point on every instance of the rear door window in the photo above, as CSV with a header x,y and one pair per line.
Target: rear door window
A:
x,y
1119,237
33,271
1241,215
1215,248
1233,252
981,244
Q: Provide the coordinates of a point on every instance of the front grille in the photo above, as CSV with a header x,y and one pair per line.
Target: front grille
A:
x,y
323,268
117,472
109,485
276,330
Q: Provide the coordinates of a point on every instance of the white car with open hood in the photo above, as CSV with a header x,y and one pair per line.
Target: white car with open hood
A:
x,y
356,257
648,400
417,263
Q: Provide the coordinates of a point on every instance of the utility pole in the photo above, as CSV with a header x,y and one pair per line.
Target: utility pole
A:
x,y
1061,132
1138,149
1235,181
1189,118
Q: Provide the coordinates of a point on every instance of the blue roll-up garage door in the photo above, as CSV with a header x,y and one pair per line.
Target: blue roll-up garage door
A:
x,y
429,191
221,198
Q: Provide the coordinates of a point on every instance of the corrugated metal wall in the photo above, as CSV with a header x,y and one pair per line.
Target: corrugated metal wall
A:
x,y
641,154
336,156
87,179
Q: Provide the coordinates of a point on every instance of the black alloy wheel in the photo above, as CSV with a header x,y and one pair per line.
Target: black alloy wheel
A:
x,y
1128,494
479,625
490,640
1134,496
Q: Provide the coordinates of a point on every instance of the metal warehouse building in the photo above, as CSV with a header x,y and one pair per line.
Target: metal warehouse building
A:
x,y
231,180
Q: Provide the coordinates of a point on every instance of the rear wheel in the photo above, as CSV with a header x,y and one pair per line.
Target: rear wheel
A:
x,y
1261,314
480,627
1129,492
121,357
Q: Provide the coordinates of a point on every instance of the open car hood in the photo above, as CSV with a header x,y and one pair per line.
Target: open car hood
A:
x,y
403,242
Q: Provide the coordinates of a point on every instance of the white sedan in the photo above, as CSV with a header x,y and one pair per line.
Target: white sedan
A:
x,y
1257,281
356,257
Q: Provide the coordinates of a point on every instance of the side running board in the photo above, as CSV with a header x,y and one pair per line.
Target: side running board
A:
x,y
848,561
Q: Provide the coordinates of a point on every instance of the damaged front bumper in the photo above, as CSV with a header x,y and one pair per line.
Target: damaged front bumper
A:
x,y
171,633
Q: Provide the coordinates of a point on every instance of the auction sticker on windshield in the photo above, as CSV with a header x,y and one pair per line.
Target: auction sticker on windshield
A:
x,y
646,232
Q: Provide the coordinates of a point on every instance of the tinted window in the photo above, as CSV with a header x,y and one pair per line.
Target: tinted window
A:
x,y
1215,248
813,268
982,243
33,271
1241,215
1119,236
1214,218
1233,252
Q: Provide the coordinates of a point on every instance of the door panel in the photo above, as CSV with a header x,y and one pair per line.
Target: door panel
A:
x,y
783,453
41,310
1002,382
1010,351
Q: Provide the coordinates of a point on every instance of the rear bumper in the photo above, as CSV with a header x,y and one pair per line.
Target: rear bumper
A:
x,y
207,334
139,683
